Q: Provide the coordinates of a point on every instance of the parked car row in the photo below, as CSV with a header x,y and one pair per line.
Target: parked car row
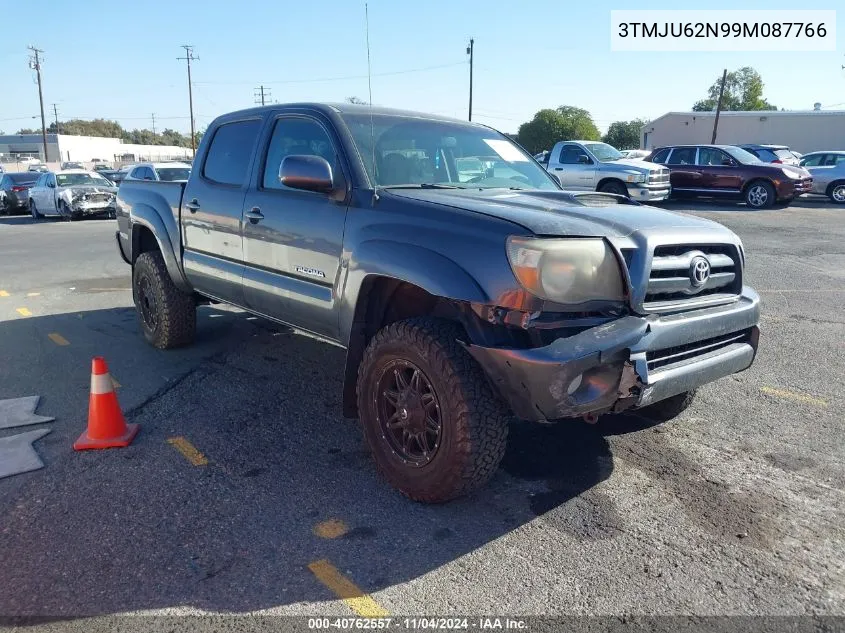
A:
x,y
759,175
73,192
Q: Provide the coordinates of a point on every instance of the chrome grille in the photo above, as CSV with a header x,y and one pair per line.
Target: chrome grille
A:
x,y
662,358
671,280
658,177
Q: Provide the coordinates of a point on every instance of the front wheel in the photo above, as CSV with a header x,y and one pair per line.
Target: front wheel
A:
x,y
669,408
760,195
34,211
433,424
168,316
836,192
615,187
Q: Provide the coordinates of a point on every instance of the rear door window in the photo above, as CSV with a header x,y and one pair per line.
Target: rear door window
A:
x,y
230,152
784,154
682,156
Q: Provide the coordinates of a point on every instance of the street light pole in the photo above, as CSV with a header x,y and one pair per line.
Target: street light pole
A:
x,y
470,50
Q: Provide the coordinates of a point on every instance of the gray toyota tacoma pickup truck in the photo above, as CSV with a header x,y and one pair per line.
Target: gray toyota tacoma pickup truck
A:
x,y
462,298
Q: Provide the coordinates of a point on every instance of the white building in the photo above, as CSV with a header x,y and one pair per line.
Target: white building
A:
x,y
803,131
84,149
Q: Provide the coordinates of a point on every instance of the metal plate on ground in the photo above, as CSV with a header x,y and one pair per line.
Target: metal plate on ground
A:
x,y
16,412
17,454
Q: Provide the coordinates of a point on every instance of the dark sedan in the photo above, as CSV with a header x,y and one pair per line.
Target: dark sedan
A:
x,y
725,171
14,191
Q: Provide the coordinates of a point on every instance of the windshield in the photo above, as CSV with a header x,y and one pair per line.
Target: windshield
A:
x,y
73,180
416,152
744,157
604,152
172,174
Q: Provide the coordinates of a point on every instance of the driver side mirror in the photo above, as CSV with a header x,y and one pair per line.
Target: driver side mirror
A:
x,y
52,185
583,159
728,162
309,173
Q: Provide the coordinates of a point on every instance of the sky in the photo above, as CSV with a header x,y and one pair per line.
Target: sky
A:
x,y
119,60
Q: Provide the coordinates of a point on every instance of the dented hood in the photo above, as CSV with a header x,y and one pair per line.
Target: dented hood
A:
x,y
560,213
83,189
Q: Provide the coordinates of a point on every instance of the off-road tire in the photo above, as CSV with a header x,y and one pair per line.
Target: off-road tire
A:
x,y
473,420
176,311
614,186
669,408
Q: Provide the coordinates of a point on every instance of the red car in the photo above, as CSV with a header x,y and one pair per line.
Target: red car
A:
x,y
725,171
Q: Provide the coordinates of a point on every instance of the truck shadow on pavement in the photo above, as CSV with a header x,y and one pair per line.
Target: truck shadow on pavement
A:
x,y
141,528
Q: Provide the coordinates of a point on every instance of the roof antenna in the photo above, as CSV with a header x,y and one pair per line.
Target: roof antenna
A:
x,y
370,99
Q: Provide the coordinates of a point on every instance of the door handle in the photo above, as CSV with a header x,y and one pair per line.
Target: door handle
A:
x,y
254,215
193,206
558,168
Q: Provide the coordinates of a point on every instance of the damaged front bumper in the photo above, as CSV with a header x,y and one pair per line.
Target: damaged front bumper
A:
x,y
631,362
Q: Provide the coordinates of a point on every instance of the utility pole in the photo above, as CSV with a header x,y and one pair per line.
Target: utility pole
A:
x,y
262,95
35,64
189,57
154,122
470,53
56,114
719,106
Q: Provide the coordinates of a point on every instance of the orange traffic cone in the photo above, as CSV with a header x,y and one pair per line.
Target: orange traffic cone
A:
x,y
107,427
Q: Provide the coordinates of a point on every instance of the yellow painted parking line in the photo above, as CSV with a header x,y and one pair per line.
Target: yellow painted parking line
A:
x,y
3,293
188,451
58,339
33,294
332,528
360,602
23,311
792,395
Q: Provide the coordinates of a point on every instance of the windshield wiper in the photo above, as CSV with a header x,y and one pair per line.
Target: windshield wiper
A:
x,y
424,185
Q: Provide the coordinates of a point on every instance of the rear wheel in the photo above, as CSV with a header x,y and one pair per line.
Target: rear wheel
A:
x,y
33,210
435,428
836,192
760,195
615,187
168,316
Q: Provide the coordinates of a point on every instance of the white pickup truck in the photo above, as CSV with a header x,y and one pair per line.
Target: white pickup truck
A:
x,y
595,166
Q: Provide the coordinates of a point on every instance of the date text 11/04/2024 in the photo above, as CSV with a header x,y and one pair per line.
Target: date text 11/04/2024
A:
x,y
422,623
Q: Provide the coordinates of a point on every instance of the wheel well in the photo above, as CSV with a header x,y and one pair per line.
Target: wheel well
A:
x,y
835,183
756,180
604,181
143,241
382,301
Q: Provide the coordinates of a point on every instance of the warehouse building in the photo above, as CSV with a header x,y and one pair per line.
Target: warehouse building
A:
x,y
84,149
802,131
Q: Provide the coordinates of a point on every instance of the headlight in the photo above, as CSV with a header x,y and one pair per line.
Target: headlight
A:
x,y
791,173
567,270
637,178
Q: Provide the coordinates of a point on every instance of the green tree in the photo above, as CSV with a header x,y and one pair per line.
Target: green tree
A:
x,y
548,126
624,134
743,91
28,130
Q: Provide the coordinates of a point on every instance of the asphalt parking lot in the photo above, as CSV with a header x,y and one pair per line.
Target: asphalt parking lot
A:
x,y
246,490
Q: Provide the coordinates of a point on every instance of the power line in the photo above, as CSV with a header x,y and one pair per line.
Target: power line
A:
x,y
35,64
327,79
189,57
262,95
